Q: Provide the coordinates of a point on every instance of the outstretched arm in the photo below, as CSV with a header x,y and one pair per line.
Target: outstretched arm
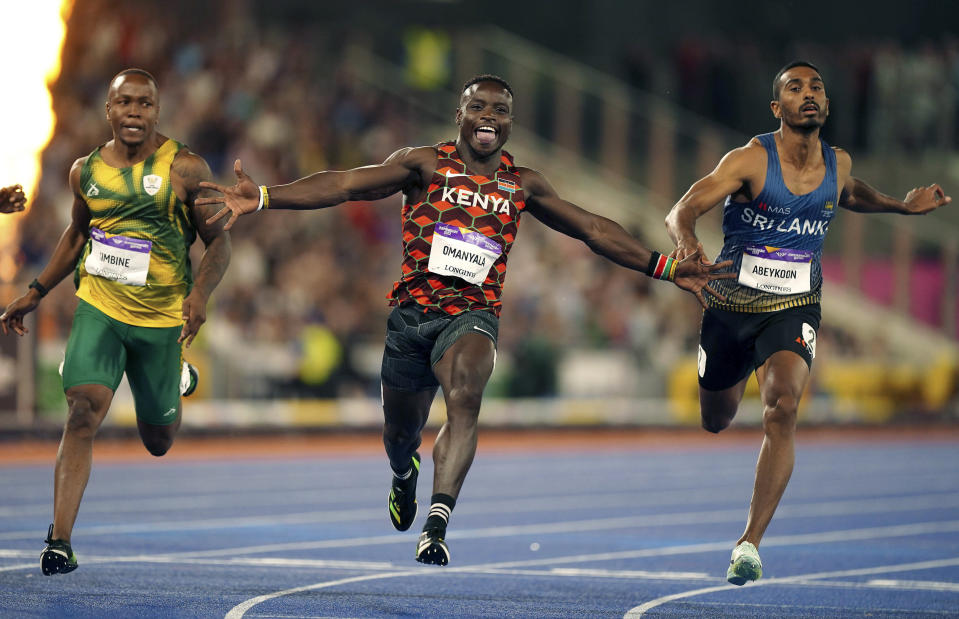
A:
x,y
608,239
401,171
61,264
858,196
192,170
730,176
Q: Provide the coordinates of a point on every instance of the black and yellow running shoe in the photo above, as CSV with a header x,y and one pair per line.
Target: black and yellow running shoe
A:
x,y
58,557
431,548
402,501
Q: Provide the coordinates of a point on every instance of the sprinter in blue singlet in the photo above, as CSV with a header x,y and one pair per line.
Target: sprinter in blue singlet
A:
x,y
781,191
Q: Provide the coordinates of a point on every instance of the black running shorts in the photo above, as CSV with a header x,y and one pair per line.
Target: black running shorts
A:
x,y
733,344
416,340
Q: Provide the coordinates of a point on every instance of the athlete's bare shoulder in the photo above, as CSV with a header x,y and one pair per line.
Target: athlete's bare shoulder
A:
x,y
533,182
187,170
75,170
188,163
752,151
413,156
743,162
419,160
843,160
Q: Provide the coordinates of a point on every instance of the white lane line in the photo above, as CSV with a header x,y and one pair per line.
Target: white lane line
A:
x,y
526,503
927,585
240,609
806,579
906,530
847,535
859,534
808,510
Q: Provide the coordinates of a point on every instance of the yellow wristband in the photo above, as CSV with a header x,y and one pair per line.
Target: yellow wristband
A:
x,y
264,198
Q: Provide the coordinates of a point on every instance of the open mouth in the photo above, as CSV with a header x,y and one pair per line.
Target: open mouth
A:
x,y
809,107
485,134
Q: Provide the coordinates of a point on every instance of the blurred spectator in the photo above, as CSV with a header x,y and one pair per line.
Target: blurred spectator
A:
x,y
306,296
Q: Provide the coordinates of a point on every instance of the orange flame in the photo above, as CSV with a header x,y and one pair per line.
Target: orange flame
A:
x,y
31,45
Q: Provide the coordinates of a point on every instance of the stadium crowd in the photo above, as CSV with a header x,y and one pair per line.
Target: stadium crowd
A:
x,y
302,308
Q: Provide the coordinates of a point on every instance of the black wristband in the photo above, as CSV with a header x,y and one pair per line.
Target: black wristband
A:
x,y
38,287
653,261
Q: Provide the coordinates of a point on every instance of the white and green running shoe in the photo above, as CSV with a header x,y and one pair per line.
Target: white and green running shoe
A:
x,y
744,565
189,378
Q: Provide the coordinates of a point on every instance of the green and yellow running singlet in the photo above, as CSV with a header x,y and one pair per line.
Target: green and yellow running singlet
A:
x,y
136,265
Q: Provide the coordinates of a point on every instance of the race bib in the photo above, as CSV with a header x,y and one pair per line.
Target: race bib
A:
x,y
118,258
776,270
462,253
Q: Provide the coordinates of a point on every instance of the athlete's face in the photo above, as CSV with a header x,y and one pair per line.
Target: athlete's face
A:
x,y
132,108
802,100
485,117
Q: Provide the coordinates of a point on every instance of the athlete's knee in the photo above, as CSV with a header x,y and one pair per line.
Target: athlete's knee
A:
x,y
780,413
718,408
83,419
400,433
715,423
465,401
157,445
717,413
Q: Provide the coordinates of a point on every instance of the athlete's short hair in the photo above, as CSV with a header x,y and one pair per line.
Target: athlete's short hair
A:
x,y
135,71
796,63
488,77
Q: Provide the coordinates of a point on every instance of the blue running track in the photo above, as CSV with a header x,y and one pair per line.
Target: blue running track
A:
x,y
866,529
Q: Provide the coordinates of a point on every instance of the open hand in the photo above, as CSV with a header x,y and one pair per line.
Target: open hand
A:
x,y
240,199
693,273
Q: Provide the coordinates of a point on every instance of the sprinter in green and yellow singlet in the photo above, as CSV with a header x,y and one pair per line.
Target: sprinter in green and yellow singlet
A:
x,y
134,219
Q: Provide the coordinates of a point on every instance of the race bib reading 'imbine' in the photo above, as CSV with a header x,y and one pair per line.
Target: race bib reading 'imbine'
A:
x,y
776,269
463,253
118,258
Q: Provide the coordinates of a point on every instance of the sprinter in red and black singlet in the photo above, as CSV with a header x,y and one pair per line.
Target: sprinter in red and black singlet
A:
x,y
489,205
462,205
781,191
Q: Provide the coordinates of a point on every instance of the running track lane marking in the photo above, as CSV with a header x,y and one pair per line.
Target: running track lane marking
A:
x,y
240,609
804,510
903,530
638,611
809,538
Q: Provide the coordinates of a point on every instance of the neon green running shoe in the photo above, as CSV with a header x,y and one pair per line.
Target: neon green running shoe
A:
x,y
744,565
58,557
402,501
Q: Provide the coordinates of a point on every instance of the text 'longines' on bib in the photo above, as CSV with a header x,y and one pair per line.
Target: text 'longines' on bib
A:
x,y
778,270
462,253
118,258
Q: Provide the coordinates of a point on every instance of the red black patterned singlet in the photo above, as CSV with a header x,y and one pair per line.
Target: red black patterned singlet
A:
x,y
472,203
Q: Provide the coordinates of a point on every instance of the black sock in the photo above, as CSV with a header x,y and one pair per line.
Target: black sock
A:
x,y
441,505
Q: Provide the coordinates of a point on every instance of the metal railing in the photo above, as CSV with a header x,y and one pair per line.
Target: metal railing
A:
x,y
579,114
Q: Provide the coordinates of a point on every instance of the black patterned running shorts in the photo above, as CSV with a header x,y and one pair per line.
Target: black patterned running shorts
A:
x,y
416,340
